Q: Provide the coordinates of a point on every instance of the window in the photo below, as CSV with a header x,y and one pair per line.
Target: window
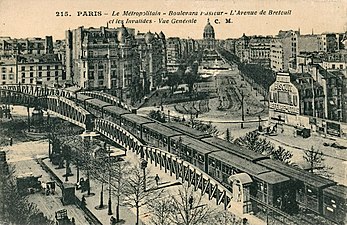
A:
x,y
48,67
31,68
3,69
40,74
48,74
56,73
31,81
48,78
31,74
23,74
56,67
11,77
4,76
91,75
23,81
101,75
40,67
23,68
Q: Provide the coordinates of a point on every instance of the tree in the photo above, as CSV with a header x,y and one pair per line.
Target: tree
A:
x,y
281,154
118,173
15,208
316,159
134,192
187,208
225,218
190,78
227,135
252,141
161,211
173,80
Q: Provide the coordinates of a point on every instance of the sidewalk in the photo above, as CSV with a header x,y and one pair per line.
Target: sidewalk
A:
x,y
168,183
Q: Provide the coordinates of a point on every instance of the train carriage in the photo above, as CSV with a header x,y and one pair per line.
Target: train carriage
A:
x,y
133,123
191,150
96,106
81,99
260,186
114,113
158,135
308,188
187,130
335,204
234,149
223,164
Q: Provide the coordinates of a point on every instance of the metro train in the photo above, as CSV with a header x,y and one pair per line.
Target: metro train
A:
x,y
274,184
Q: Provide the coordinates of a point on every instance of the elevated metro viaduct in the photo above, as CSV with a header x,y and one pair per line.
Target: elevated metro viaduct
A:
x,y
60,103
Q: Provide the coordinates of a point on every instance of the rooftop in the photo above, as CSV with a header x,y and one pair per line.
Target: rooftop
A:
x,y
161,129
296,173
200,146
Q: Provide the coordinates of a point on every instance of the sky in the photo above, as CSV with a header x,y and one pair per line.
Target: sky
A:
x,y
37,18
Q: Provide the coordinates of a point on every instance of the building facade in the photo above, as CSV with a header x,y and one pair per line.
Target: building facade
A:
x,y
9,46
259,50
173,53
283,51
32,69
152,53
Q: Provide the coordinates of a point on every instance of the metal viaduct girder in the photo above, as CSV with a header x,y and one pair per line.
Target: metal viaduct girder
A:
x,y
67,110
106,98
167,161
57,105
37,90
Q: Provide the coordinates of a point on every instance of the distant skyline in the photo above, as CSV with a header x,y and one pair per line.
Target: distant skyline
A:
x,y
37,18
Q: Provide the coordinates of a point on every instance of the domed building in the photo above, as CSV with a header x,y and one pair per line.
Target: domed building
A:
x,y
209,36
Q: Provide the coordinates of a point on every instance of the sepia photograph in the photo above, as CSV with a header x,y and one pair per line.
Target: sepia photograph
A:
x,y
173,112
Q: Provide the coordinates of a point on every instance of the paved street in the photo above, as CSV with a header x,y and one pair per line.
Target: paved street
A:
x,y
22,156
335,158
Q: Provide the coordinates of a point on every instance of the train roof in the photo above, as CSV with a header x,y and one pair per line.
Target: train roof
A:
x,y
137,118
187,130
198,145
337,190
240,163
97,102
82,97
235,149
161,129
296,173
117,110
273,177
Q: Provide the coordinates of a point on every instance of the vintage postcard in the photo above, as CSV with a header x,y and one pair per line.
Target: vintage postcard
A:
x,y
173,112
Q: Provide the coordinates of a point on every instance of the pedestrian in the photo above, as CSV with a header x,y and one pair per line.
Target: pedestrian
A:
x,y
43,186
73,221
11,141
53,187
157,179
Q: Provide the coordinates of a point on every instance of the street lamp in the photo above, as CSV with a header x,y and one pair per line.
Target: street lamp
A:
x,y
242,110
143,165
109,183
